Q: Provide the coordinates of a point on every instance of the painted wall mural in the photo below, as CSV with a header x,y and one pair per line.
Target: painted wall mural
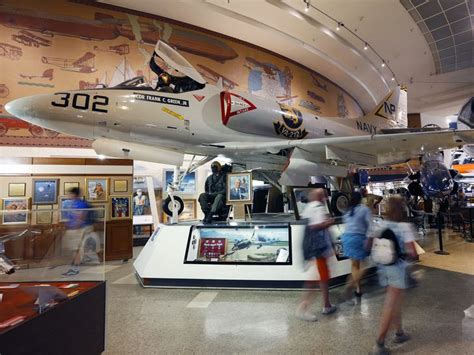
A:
x,y
60,45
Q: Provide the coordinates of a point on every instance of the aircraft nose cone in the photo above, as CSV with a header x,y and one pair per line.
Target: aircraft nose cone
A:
x,y
20,108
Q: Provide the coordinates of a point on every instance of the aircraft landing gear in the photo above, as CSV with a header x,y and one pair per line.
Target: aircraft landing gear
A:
x,y
173,205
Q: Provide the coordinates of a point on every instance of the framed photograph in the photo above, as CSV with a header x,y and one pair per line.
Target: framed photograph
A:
x,y
120,185
45,191
44,217
17,189
15,210
70,185
222,244
189,211
188,185
65,204
100,210
97,189
239,187
120,207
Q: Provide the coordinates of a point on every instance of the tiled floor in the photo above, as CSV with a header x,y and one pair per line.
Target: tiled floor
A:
x,y
176,321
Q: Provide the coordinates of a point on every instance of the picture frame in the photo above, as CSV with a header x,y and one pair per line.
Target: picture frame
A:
x,y
120,185
101,211
239,188
15,210
45,191
120,207
188,185
17,189
189,211
70,185
97,189
65,203
44,217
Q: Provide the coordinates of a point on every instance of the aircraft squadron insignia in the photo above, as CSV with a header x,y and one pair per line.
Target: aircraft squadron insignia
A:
x,y
290,124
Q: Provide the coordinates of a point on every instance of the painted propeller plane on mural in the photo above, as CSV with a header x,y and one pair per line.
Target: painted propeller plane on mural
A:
x,y
184,114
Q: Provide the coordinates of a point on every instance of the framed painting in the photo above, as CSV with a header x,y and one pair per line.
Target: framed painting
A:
x,y
70,185
45,191
15,210
188,185
65,206
17,189
120,207
239,187
46,216
97,189
100,210
120,185
189,211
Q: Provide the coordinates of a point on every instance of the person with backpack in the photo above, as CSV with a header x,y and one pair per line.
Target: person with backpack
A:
x,y
391,245
357,221
317,246
80,225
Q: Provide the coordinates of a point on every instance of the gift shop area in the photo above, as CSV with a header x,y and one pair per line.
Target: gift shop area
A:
x,y
159,159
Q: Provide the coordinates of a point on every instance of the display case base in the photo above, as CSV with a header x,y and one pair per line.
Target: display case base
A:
x,y
162,263
75,326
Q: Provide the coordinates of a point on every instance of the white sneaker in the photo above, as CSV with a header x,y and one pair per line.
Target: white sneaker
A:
x,y
307,316
329,310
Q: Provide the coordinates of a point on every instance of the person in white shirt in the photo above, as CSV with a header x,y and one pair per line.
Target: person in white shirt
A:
x,y
318,222
394,276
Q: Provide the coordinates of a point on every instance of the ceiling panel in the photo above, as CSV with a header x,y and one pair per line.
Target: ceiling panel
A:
x,y
450,23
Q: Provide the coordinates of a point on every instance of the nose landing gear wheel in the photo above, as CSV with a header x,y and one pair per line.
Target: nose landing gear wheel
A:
x,y
168,205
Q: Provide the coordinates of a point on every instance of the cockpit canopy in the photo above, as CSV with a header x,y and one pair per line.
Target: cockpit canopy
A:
x,y
136,82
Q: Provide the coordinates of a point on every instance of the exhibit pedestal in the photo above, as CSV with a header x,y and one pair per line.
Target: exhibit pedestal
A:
x,y
165,260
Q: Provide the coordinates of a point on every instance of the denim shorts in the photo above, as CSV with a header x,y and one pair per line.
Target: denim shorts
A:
x,y
394,275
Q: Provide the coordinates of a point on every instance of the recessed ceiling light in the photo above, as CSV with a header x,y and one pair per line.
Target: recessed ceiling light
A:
x,y
366,46
383,64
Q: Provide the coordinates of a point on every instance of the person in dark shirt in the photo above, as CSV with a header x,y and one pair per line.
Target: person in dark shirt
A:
x,y
170,79
215,189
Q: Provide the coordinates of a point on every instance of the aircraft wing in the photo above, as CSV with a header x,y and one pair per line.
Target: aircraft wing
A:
x,y
382,149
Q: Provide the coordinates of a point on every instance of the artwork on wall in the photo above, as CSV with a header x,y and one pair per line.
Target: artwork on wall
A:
x,y
70,185
239,187
45,191
102,58
120,207
17,189
189,211
100,211
188,185
65,206
120,185
46,216
15,210
97,189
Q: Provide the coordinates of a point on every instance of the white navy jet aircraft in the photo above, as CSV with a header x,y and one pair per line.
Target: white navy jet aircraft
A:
x,y
186,115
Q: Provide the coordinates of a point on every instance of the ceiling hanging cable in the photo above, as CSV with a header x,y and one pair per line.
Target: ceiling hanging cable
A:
x,y
340,25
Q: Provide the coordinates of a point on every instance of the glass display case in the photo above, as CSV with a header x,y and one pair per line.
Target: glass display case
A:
x,y
49,257
242,244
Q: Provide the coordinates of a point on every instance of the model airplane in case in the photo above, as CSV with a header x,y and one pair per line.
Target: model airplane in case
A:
x,y
280,143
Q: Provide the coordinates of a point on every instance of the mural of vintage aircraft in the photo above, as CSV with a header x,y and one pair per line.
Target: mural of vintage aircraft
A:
x,y
280,143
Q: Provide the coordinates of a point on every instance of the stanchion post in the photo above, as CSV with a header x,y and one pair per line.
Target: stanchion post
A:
x,y
440,237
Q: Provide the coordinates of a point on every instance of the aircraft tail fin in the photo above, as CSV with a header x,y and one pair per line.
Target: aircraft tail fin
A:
x,y
391,112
